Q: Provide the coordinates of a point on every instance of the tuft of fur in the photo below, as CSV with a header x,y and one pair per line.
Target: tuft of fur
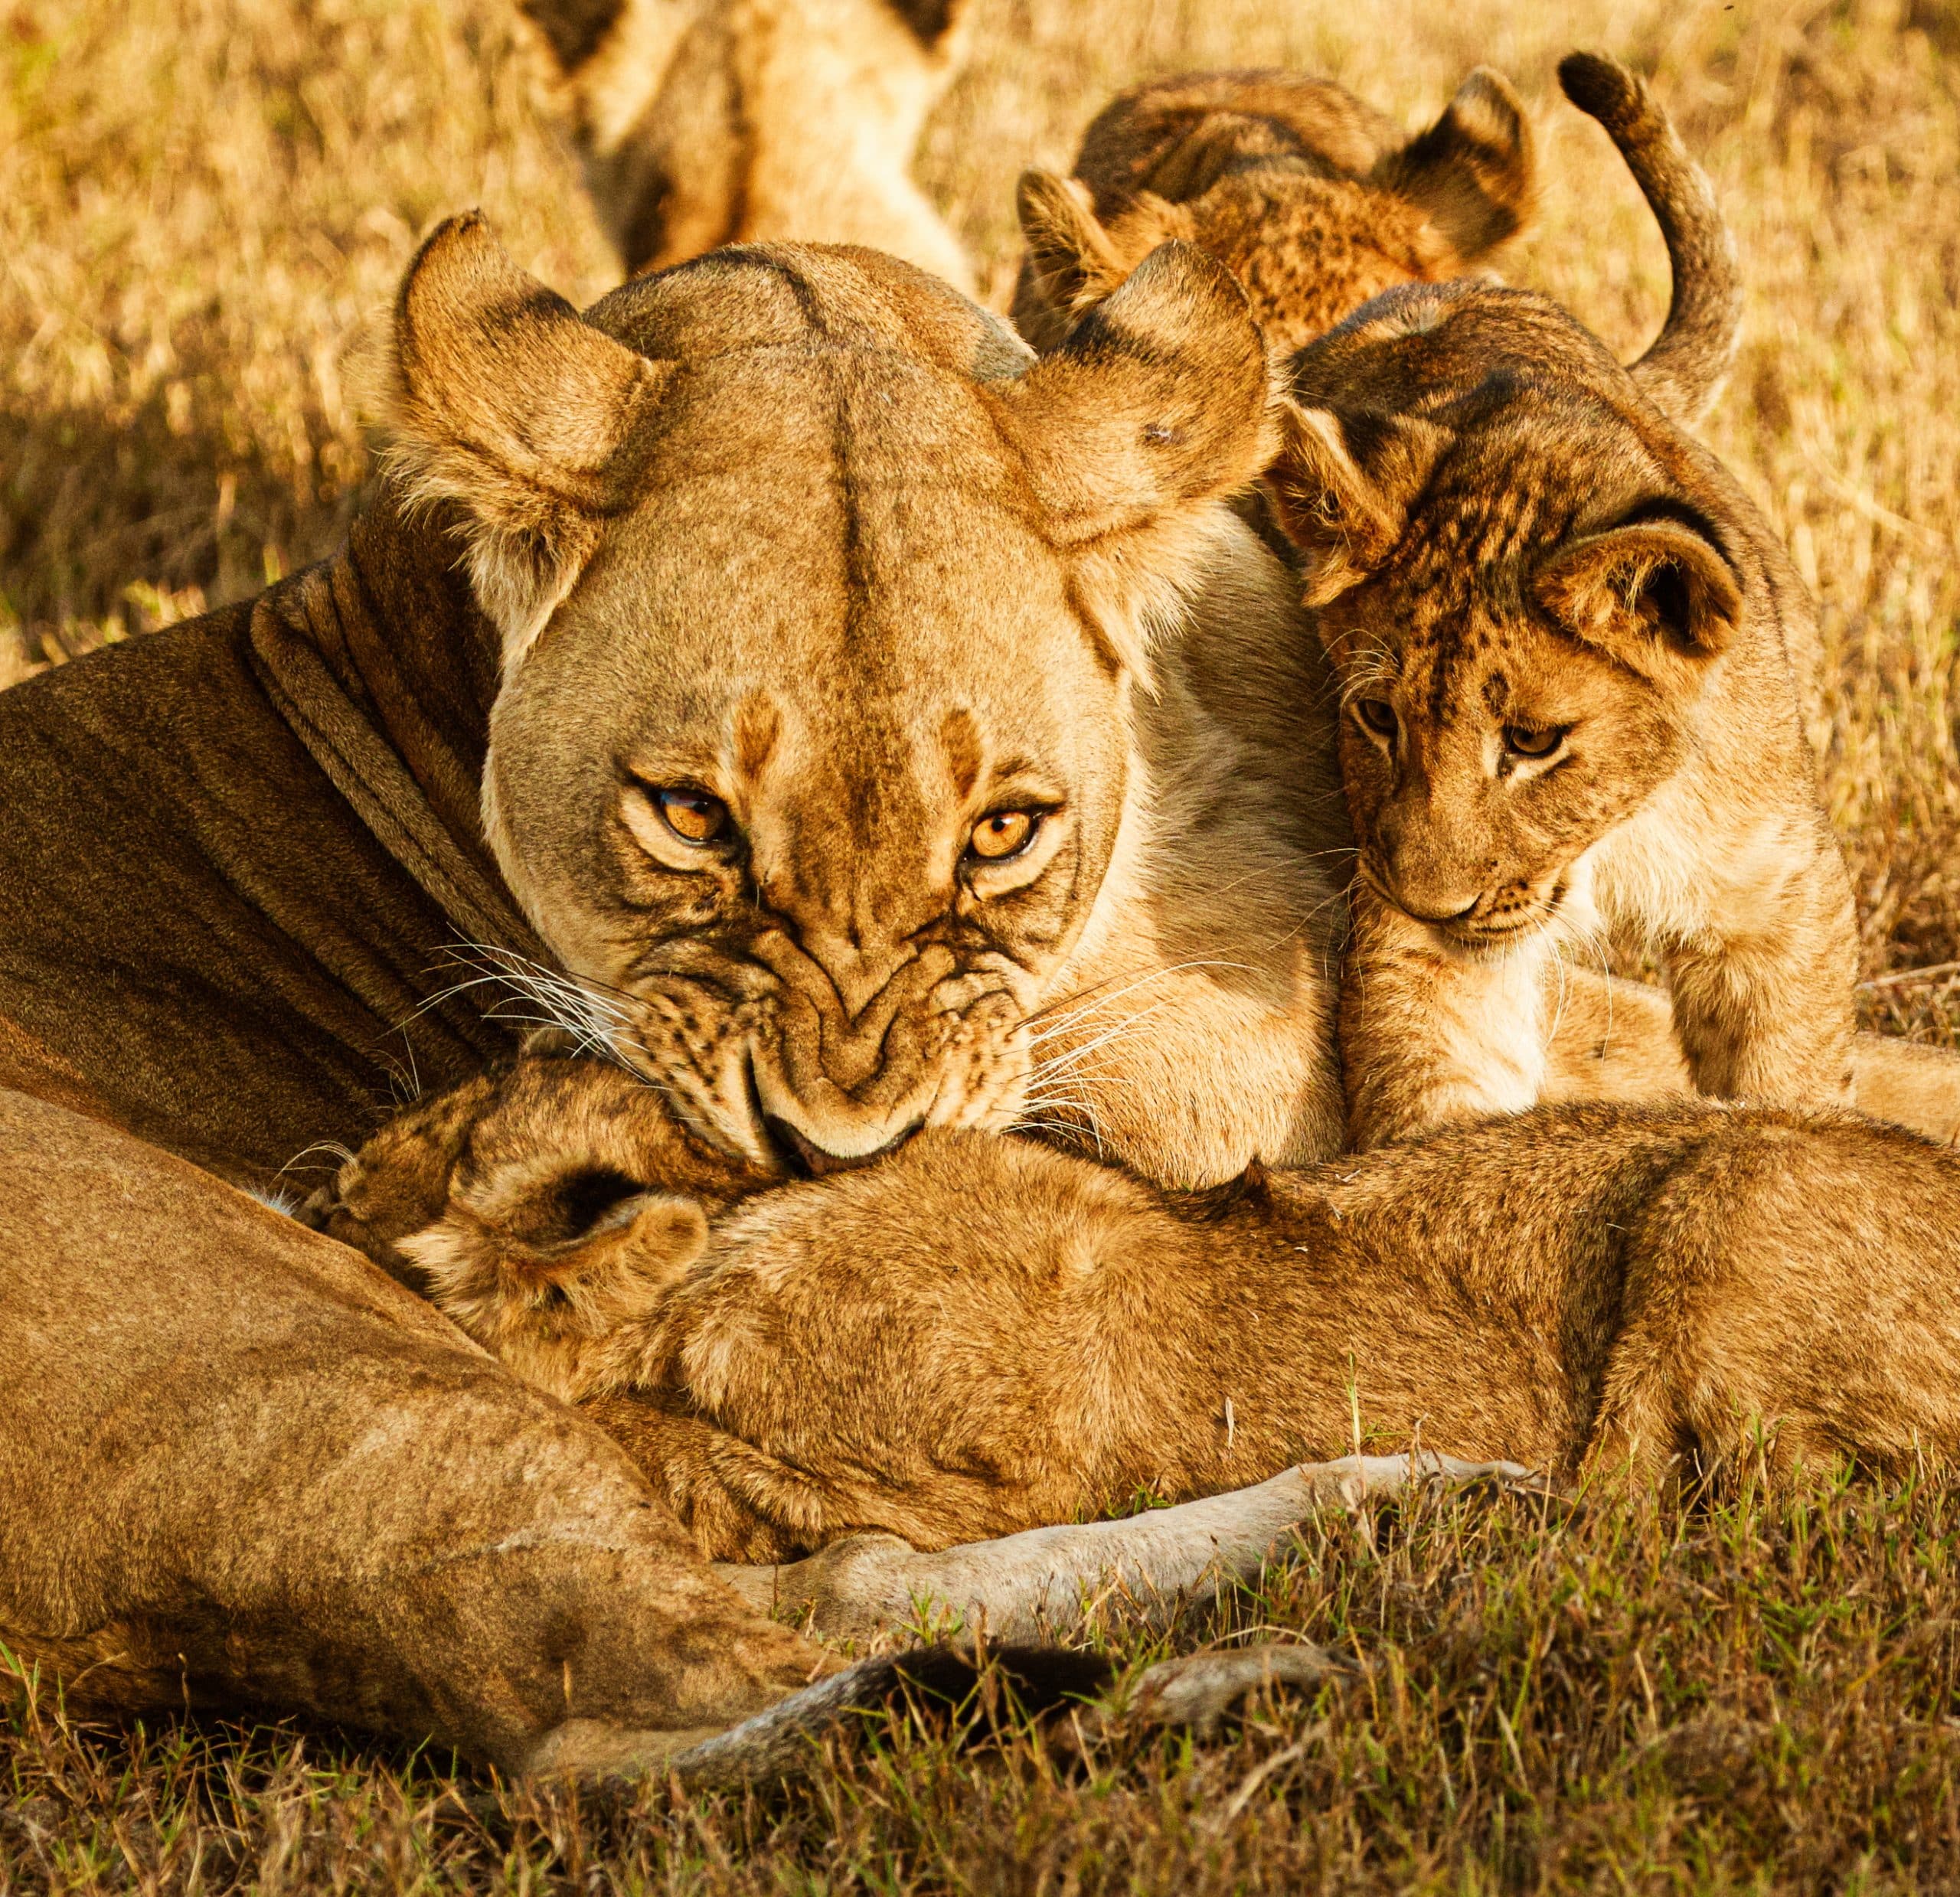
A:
x,y
1683,371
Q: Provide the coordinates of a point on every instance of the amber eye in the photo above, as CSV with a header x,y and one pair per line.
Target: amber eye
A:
x,y
1004,834
1522,740
692,815
1377,714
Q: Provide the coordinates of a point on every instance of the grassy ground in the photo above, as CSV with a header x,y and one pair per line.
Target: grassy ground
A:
x,y
200,202
1759,1697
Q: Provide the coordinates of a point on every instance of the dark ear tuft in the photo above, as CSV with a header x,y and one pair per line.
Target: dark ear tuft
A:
x,y
1659,596
930,21
1473,172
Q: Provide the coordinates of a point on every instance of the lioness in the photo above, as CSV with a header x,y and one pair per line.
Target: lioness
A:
x,y
705,122
978,1337
1568,646
688,541
1312,199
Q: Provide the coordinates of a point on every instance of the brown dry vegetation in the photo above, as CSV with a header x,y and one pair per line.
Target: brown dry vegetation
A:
x,y
199,202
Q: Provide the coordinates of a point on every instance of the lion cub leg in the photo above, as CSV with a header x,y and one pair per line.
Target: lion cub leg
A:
x,y
1762,997
1428,1036
1792,1282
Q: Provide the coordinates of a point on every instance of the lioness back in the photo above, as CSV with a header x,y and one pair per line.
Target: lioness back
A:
x,y
701,123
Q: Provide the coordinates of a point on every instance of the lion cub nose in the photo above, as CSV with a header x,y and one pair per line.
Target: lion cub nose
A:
x,y
811,1162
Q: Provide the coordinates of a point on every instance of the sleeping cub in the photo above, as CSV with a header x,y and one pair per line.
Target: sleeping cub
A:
x,y
1565,642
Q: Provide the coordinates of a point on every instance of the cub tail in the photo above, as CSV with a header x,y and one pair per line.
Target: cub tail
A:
x,y
1684,370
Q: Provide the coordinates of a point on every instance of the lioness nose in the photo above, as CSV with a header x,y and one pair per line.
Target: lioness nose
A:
x,y
811,1162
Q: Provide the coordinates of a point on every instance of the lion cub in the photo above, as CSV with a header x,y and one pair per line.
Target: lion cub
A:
x,y
1313,199
1564,641
543,1210
977,1334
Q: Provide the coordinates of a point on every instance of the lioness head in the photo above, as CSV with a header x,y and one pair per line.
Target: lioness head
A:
x,y
1527,581
820,603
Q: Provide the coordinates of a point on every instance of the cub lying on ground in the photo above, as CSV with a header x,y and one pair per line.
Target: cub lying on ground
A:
x,y
977,1336
1565,639
1312,199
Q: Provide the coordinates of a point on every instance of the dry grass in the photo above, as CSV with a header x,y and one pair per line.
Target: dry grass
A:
x,y
199,203
1758,1697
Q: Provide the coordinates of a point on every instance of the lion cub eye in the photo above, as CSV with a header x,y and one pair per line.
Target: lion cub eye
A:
x,y
1004,834
1378,715
692,815
1524,740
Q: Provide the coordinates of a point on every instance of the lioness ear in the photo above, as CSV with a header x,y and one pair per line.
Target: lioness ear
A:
x,y
1473,172
502,401
1069,255
1157,404
1341,489
1656,596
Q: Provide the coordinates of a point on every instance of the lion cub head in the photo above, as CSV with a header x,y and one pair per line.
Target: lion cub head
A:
x,y
1529,579
820,603
1313,199
1526,582
543,1210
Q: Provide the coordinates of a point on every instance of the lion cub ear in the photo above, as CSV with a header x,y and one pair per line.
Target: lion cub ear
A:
x,y
1657,596
501,400
1159,404
1474,173
1073,262
1341,489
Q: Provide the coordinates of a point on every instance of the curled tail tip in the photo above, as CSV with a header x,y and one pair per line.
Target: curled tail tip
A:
x,y
1604,88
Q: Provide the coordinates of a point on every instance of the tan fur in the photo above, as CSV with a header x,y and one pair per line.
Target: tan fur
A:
x,y
978,1337
705,123
1504,538
859,678
1571,657
1310,198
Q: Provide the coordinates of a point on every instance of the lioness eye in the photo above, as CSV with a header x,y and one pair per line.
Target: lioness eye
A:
x,y
1377,714
1525,740
693,816
1005,833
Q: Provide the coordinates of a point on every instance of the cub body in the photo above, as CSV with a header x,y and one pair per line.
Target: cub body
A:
x,y
1564,637
1312,199
977,1336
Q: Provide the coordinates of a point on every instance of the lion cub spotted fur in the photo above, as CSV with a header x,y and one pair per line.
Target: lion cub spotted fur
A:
x,y
979,1335
1568,648
1312,199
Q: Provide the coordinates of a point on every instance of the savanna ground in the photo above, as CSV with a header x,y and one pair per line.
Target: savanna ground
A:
x,y
202,201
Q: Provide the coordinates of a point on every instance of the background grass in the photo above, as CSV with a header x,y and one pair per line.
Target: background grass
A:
x,y
200,203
